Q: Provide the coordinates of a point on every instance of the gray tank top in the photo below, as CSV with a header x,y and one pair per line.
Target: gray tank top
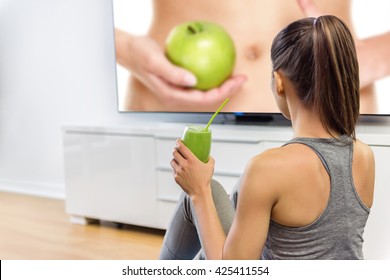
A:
x,y
338,231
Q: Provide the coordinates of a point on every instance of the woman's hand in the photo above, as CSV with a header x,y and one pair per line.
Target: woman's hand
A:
x,y
171,84
192,175
372,52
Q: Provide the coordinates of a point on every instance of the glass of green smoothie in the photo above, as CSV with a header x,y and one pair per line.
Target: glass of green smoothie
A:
x,y
198,138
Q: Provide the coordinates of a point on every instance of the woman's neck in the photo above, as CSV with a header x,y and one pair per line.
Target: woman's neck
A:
x,y
307,123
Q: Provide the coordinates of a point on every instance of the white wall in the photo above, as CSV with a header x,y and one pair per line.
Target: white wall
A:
x,y
57,66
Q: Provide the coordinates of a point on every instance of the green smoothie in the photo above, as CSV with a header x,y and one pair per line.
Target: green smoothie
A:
x,y
198,140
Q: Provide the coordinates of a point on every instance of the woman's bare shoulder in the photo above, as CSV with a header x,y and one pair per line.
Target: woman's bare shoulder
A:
x,y
363,158
267,174
363,149
282,156
275,164
363,168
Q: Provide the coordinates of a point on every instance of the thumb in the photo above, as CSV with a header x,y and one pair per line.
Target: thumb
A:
x,y
172,73
309,8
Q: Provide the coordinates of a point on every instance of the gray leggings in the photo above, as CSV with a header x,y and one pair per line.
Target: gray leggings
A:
x,y
181,241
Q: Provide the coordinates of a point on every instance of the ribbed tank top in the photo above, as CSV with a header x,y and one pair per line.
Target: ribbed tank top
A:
x,y
338,232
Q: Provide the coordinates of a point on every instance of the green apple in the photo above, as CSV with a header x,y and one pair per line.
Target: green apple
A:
x,y
205,49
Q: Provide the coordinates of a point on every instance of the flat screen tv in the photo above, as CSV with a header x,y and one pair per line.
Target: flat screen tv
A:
x,y
142,28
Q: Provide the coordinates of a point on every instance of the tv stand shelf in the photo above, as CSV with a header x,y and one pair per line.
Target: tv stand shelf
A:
x,y
123,174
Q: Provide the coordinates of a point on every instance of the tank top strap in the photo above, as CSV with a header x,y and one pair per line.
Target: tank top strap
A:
x,y
333,152
313,148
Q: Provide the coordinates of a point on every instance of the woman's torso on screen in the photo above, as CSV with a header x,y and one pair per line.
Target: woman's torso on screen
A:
x,y
252,24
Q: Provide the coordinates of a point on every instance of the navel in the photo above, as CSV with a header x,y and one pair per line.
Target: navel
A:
x,y
252,53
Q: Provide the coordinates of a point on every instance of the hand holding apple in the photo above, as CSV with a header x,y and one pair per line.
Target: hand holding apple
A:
x,y
170,84
205,49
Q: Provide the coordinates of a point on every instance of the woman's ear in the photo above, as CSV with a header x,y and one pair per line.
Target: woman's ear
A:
x,y
279,84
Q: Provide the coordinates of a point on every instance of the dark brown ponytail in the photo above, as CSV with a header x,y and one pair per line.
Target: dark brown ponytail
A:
x,y
319,57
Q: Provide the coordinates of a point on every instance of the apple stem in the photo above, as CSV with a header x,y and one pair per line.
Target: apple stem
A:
x,y
192,29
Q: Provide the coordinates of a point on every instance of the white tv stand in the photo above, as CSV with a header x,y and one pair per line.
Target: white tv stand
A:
x,y
123,174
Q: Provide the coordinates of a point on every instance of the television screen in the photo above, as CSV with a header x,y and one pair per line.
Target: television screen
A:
x,y
149,82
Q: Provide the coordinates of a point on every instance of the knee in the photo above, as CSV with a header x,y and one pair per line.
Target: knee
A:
x,y
217,189
218,193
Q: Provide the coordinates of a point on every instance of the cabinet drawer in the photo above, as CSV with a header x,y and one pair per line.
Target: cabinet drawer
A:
x,y
164,149
232,157
109,177
167,189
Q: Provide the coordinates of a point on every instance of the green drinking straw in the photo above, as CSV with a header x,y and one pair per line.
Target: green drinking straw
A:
x,y
216,113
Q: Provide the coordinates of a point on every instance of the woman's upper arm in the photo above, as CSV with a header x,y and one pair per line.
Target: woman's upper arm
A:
x,y
257,195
